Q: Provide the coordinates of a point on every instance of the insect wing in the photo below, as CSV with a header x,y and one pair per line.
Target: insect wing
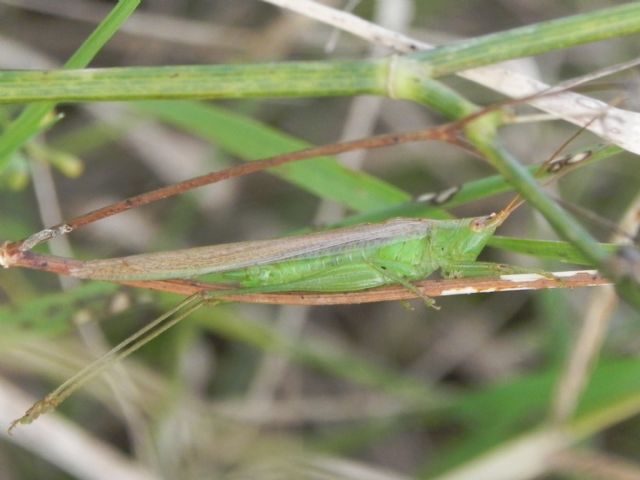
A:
x,y
233,256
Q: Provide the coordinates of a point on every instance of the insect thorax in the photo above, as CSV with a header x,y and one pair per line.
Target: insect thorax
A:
x,y
457,241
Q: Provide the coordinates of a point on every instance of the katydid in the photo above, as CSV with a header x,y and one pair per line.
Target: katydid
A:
x,y
342,260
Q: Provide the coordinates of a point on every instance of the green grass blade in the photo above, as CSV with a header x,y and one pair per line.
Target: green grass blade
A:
x,y
499,413
547,249
250,140
294,79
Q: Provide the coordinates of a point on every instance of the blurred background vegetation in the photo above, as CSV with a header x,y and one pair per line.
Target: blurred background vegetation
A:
x,y
377,391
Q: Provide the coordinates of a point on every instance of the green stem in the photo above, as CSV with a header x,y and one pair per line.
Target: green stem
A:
x,y
408,81
311,78
533,39
292,79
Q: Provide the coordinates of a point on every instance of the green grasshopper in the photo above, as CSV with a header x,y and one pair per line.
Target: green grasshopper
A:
x,y
399,250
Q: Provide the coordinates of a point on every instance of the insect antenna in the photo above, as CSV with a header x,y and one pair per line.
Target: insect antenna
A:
x,y
552,164
503,214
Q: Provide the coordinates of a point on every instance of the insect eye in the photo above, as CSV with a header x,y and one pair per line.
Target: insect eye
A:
x,y
481,223
476,224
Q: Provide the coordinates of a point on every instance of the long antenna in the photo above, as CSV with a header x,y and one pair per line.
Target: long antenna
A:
x,y
516,201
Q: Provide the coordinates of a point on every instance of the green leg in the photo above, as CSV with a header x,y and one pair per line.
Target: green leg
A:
x,y
428,301
487,269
